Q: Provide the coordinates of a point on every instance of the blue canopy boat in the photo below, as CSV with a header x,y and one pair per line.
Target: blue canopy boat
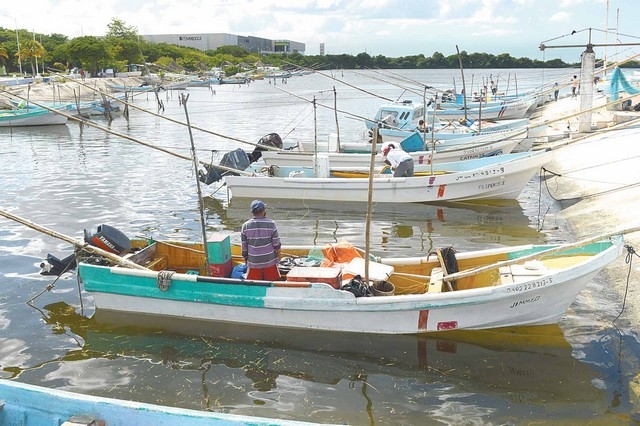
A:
x,y
30,405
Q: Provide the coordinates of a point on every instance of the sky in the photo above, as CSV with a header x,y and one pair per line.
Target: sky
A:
x,y
392,28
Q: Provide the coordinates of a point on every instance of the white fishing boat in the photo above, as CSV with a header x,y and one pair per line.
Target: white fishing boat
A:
x,y
175,85
517,108
81,108
445,151
406,115
456,134
30,117
497,287
141,88
498,177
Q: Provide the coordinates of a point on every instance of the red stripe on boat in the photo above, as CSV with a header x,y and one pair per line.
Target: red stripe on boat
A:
x,y
296,284
422,320
423,159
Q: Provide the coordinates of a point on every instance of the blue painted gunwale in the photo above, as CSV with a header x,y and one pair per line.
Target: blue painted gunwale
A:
x,y
31,405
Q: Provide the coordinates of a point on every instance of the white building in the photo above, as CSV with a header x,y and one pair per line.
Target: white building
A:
x,y
213,41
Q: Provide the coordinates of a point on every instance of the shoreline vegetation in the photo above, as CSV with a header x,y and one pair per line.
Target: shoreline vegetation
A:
x,y
122,49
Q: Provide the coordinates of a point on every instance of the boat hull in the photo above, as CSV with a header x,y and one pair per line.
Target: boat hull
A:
x,y
530,298
31,118
441,154
446,139
509,110
502,177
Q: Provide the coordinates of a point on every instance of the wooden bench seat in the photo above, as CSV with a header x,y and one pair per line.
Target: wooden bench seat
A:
x,y
513,274
158,263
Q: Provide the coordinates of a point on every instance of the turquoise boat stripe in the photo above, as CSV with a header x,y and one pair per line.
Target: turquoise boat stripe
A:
x,y
100,279
589,249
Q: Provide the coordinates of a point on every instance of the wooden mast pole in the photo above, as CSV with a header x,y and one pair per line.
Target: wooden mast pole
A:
x,y
464,87
194,159
367,231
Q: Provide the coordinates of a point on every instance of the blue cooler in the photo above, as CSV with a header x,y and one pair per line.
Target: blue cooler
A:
x,y
219,252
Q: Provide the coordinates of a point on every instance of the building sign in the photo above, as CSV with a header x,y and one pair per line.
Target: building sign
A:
x,y
189,38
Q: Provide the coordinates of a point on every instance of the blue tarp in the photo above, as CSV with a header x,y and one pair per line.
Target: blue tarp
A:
x,y
619,80
413,143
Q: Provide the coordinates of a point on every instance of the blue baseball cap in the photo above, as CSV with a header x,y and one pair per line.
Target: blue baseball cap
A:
x,y
257,205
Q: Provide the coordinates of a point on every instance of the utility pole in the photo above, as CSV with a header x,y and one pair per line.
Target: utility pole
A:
x,y
587,71
17,42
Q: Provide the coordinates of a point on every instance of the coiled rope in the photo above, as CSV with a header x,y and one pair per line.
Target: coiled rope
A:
x,y
164,280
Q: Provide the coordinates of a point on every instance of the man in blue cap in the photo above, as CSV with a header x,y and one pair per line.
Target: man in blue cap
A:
x,y
260,244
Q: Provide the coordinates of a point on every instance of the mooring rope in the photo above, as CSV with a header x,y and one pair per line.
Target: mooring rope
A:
x,y
164,280
546,171
628,260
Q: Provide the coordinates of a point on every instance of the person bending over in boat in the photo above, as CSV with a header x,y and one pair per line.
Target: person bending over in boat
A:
x,y
401,163
422,127
260,244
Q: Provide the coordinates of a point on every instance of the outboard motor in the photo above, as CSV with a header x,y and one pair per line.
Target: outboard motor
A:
x,y
109,239
105,237
272,140
54,266
238,159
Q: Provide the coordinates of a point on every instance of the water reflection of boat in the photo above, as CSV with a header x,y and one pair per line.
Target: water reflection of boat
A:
x,y
38,133
490,377
470,225
533,362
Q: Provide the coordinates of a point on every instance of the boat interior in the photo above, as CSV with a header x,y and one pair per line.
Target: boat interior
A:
x,y
337,264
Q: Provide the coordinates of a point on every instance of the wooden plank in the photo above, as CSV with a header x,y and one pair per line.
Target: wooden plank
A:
x,y
444,268
435,281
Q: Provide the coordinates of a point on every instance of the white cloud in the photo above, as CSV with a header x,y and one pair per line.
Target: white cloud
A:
x,y
387,27
560,17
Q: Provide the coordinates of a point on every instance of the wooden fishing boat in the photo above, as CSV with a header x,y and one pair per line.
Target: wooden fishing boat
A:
x,y
81,109
124,88
517,108
175,85
202,82
499,177
498,287
395,121
457,134
30,117
444,152
405,115
30,405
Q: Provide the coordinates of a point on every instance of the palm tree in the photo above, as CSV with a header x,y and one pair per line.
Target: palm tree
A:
x,y
31,49
3,57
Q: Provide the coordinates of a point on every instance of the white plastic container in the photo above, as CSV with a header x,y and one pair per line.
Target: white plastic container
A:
x,y
321,165
377,271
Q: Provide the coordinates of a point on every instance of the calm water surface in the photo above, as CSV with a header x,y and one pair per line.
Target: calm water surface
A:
x,y
73,177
